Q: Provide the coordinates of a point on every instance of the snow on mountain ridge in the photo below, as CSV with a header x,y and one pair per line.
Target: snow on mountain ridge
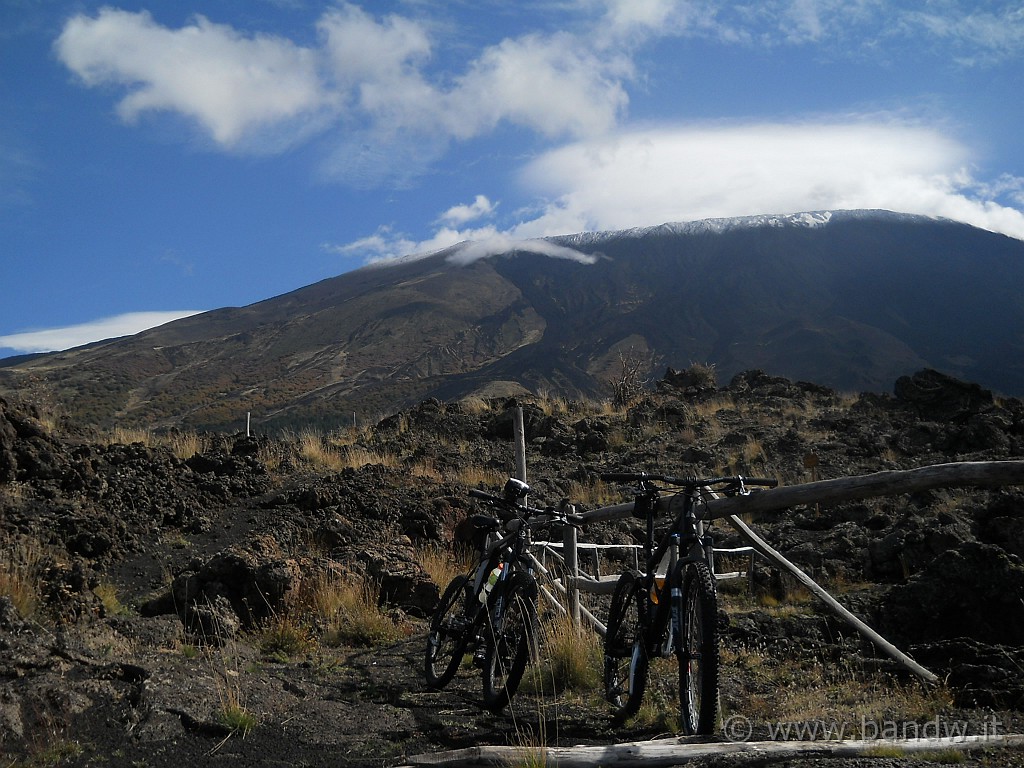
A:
x,y
567,246
807,219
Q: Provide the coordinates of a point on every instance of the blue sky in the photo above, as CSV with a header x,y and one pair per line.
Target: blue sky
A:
x,y
159,158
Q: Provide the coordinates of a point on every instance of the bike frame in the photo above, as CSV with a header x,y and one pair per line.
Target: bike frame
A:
x,y
516,543
686,542
509,549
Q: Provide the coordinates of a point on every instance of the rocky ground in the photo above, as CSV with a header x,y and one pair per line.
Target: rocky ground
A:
x,y
156,571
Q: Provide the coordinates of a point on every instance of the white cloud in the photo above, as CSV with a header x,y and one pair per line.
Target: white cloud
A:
x,y
498,244
363,50
460,214
688,173
552,84
370,76
387,245
379,83
977,35
640,14
383,248
681,174
229,83
53,339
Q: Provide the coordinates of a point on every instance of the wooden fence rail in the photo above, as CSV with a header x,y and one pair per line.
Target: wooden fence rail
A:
x,y
959,474
977,474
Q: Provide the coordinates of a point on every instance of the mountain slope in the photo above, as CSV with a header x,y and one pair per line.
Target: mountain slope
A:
x,y
848,299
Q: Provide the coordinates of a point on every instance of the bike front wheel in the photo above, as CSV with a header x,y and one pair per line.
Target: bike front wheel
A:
x,y
698,649
446,640
511,638
625,658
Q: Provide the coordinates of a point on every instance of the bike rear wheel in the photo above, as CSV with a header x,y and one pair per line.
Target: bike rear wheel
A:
x,y
446,640
511,640
698,650
625,657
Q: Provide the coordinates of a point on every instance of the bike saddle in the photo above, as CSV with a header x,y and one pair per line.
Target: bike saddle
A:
x,y
485,523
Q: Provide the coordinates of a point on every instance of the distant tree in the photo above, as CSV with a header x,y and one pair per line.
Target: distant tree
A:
x,y
629,385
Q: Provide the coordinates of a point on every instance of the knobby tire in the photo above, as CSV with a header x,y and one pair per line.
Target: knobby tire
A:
x,y
446,640
511,641
698,650
625,654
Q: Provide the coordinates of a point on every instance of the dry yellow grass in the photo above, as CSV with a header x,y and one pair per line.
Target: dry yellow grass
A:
x,y
129,436
233,713
347,608
572,656
475,406
184,445
112,605
480,477
313,449
21,563
713,406
356,456
775,690
442,564
284,637
594,494
426,468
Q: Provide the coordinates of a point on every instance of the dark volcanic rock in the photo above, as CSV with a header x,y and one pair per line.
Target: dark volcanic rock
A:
x,y
203,550
971,590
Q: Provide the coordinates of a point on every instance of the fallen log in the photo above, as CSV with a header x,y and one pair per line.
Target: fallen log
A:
x,y
661,753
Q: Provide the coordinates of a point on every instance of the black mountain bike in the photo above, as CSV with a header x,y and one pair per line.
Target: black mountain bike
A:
x,y
491,611
656,618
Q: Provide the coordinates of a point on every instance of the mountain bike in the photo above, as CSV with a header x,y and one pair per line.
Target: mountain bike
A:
x,y
491,611
653,618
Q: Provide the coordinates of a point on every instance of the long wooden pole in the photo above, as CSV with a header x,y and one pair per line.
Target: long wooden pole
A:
x,y
880,642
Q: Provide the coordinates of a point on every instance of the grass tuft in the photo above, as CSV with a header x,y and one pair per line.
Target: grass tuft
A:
x,y
185,445
347,608
947,756
443,564
283,638
21,565
313,449
237,719
573,656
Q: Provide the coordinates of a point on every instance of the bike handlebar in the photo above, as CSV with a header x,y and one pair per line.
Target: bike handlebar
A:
x,y
521,511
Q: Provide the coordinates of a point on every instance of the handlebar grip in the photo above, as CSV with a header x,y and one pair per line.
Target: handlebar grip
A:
x,y
476,493
764,482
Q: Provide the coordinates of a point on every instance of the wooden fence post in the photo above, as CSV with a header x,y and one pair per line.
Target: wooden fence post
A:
x,y
519,438
572,567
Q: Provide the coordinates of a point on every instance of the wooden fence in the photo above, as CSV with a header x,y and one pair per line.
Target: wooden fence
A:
x,y
563,590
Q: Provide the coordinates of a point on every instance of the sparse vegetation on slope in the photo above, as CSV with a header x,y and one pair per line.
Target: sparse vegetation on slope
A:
x,y
179,600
